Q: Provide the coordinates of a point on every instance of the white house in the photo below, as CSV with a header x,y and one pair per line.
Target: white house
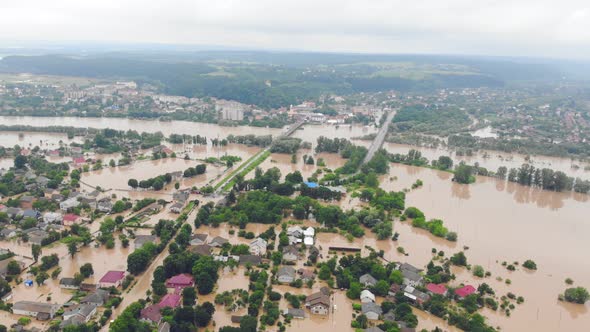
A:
x,y
53,218
367,296
69,203
258,246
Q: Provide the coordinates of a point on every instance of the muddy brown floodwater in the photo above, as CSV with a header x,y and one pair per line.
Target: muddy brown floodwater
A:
x,y
494,159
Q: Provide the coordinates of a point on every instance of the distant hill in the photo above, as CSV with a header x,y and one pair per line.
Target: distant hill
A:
x,y
241,75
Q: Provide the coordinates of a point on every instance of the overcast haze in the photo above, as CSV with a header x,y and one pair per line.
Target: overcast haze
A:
x,y
503,27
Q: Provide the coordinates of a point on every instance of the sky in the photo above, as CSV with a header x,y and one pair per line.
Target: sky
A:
x,y
540,28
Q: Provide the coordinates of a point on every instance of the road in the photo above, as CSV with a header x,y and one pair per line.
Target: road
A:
x,y
250,161
378,141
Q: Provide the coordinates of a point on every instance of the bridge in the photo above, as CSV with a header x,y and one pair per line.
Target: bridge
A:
x,y
256,158
378,141
292,129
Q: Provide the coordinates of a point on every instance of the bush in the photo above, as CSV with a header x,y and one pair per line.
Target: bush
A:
x,y
478,271
529,264
576,295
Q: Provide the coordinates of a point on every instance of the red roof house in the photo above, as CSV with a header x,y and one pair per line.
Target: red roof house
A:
x,y
79,160
439,289
70,219
151,313
170,300
180,281
111,279
465,291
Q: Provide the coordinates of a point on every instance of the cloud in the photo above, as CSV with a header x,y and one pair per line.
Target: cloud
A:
x,y
489,27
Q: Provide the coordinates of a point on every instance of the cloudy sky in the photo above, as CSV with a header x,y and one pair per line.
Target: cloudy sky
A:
x,y
487,27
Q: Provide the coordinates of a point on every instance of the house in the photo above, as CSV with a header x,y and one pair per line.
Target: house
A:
x,y
236,319
372,310
170,300
78,161
258,246
465,291
309,232
154,207
14,212
180,196
42,311
438,289
202,249
140,240
198,239
308,241
290,253
367,280
306,274
70,219
111,279
295,313
367,296
151,313
82,311
411,274
286,274
389,316
57,197
69,204
180,281
68,283
373,329
26,202
319,303
99,297
31,213
52,217
36,236
91,201
104,205
295,231
218,241
394,289
253,260
176,207
8,233
416,295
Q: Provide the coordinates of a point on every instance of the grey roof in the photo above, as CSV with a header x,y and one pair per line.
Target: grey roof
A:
x,y
411,275
371,307
297,313
82,309
100,296
373,329
67,281
409,267
252,259
367,279
286,271
35,306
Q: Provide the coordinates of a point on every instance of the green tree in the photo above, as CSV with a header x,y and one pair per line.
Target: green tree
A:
x,y
36,251
576,295
133,183
87,270
41,277
72,248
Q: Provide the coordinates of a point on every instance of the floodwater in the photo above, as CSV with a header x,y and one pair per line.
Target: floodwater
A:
x,y
150,126
494,159
117,177
32,139
499,222
310,132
